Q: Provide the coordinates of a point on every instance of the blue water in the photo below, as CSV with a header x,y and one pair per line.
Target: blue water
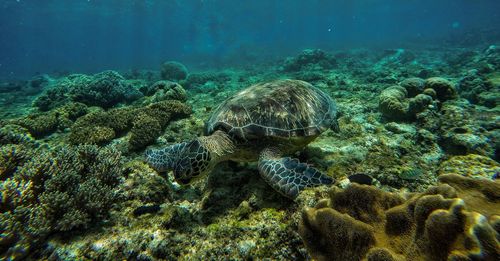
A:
x,y
47,36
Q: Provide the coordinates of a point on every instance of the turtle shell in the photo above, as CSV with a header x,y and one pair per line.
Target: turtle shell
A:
x,y
281,108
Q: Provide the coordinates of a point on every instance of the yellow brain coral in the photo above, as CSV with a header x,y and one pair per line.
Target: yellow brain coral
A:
x,y
457,220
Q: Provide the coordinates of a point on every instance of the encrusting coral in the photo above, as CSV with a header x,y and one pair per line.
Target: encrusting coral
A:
x,y
470,165
457,220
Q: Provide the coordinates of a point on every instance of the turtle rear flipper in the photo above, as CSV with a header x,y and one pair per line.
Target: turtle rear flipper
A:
x,y
288,176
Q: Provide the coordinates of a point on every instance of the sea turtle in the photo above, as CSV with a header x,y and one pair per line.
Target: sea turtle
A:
x,y
261,123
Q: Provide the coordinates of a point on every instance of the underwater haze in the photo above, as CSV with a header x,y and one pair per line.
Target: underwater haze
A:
x,y
250,130
91,36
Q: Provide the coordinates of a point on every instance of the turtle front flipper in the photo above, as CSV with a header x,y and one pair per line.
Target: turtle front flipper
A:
x,y
288,176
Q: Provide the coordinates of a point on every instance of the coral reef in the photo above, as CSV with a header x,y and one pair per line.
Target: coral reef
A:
x,y
309,58
393,104
410,100
145,123
164,90
439,224
427,131
104,89
44,123
48,191
444,89
173,71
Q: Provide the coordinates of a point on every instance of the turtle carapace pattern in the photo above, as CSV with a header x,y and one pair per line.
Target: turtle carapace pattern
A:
x,y
264,123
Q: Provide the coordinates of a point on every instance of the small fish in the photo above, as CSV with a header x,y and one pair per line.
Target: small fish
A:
x,y
361,178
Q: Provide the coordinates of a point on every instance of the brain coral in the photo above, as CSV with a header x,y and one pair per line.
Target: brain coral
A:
x,y
173,71
457,220
393,104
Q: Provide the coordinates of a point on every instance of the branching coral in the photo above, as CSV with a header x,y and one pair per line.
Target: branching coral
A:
x,y
449,221
54,191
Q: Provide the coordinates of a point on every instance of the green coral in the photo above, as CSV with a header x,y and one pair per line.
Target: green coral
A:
x,y
445,89
145,130
145,124
104,89
393,103
164,90
173,71
413,85
54,191
44,123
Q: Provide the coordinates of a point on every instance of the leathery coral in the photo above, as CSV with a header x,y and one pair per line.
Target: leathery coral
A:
x,y
457,220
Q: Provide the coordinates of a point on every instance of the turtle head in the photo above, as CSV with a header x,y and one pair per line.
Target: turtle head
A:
x,y
187,160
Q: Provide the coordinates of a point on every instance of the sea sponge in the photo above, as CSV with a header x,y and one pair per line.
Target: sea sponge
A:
x,y
173,71
444,88
449,221
393,103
